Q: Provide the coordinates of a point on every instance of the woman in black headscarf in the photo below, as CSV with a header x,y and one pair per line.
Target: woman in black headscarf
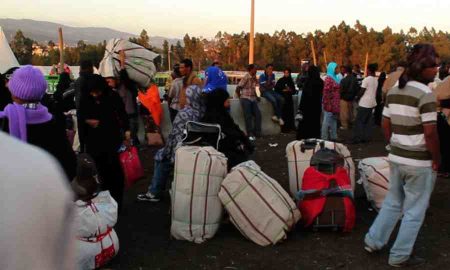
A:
x,y
235,144
105,123
311,106
286,87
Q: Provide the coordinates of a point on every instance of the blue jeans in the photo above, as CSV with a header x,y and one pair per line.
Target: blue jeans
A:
x,y
276,100
409,193
250,108
329,126
161,172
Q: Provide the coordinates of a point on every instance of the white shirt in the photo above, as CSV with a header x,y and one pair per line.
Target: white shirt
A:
x,y
35,209
368,100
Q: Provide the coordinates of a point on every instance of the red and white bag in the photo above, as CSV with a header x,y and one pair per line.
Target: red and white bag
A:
x,y
97,242
196,208
374,176
299,158
258,206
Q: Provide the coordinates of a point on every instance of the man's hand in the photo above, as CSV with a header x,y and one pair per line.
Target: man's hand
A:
x,y
127,141
436,165
432,142
93,123
122,59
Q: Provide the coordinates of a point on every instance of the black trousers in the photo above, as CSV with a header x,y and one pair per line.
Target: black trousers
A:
x,y
362,131
111,174
444,138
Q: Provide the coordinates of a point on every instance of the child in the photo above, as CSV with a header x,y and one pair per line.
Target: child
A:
x,y
95,217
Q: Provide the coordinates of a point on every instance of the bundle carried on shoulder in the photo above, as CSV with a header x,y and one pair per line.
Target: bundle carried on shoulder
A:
x,y
196,208
258,206
138,62
299,154
374,176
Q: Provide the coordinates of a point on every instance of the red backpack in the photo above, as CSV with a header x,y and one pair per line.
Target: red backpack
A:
x,y
327,200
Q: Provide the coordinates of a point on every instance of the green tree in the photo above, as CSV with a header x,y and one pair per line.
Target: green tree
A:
x,y
22,48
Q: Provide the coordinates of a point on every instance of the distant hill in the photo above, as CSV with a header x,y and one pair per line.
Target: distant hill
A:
x,y
43,31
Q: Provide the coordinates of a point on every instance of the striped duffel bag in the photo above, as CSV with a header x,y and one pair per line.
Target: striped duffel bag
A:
x,y
299,154
196,208
374,176
258,206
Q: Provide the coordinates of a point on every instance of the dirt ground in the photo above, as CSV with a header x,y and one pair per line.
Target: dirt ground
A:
x,y
145,243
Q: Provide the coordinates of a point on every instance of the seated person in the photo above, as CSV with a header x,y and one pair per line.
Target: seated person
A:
x,y
266,86
95,217
235,144
165,157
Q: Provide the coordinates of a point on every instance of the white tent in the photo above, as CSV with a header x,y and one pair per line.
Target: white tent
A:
x,y
7,58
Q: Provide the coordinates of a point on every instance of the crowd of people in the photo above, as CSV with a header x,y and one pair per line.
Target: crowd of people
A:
x,y
107,118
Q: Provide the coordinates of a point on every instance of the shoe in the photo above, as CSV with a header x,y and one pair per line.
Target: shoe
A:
x,y
148,197
281,122
411,262
369,249
251,138
275,118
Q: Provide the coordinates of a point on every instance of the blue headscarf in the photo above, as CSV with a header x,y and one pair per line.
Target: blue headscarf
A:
x,y
331,72
216,79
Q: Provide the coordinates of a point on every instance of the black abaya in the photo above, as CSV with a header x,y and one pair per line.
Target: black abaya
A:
x,y
311,109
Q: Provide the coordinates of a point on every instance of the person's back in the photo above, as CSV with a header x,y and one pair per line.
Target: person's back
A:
x,y
408,109
349,87
50,137
368,99
36,232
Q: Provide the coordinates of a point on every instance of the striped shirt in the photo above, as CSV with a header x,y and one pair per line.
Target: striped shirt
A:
x,y
408,110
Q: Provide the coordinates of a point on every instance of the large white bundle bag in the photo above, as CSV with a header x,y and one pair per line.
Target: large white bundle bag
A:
x,y
97,241
138,62
299,160
374,176
196,208
258,206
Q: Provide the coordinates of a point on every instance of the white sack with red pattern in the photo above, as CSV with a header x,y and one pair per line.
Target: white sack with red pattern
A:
x,y
374,175
196,208
258,206
97,242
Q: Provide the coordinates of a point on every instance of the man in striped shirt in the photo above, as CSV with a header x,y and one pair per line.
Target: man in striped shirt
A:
x,y
409,124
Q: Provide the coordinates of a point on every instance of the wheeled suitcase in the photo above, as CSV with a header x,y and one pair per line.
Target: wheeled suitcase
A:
x,y
326,196
299,154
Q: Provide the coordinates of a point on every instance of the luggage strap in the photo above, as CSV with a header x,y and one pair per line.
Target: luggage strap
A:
x,y
97,238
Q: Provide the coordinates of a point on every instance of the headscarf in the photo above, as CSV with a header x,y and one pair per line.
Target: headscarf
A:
x,y
331,71
216,113
216,79
193,111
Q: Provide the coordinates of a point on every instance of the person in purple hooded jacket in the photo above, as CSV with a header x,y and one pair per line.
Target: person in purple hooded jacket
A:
x,y
29,121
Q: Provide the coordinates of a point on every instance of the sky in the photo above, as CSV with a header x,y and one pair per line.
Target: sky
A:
x,y
175,18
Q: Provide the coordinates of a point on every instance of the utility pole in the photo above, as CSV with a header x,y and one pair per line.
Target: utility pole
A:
x,y
251,50
61,51
168,57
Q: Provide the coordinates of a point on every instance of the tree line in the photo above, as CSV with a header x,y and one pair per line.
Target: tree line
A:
x,y
344,44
